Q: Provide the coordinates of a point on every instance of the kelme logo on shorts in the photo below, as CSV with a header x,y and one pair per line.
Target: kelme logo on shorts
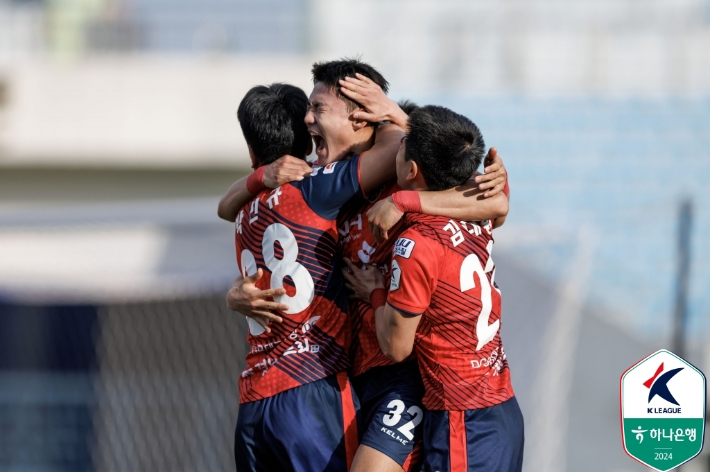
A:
x,y
663,411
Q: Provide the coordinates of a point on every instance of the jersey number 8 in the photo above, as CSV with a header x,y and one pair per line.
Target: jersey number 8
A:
x,y
281,268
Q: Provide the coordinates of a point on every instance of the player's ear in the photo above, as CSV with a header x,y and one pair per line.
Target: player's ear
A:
x,y
413,170
254,160
357,123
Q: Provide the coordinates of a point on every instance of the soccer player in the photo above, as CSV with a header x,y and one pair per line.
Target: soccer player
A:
x,y
390,394
444,305
330,122
297,411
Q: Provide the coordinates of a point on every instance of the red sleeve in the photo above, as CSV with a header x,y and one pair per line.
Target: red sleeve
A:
x,y
359,176
415,271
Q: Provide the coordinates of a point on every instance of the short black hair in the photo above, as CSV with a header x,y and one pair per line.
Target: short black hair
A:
x,y
407,106
272,120
331,72
447,147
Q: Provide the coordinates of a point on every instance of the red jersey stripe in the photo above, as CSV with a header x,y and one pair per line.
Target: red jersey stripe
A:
x,y
349,418
458,452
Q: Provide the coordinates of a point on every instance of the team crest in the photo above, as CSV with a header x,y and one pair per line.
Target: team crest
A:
x,y
663,411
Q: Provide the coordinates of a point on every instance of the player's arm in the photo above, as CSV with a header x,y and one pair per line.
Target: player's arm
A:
x,y
236,197
466,202
285,169
378,164
395,330
481,198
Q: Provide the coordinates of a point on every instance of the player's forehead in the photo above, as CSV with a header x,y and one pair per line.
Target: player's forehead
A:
x,y
323,94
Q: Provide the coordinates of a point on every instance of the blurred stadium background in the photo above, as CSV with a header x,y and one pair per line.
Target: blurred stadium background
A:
x,y
118,134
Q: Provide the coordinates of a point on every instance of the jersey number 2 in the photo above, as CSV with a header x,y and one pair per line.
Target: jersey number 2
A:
x,y
395,415
472,265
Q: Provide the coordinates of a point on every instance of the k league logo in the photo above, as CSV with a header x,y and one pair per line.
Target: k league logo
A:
x,y
663,411
659,385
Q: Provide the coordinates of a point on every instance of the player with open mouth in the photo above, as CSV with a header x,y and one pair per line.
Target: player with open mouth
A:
x,y
347,134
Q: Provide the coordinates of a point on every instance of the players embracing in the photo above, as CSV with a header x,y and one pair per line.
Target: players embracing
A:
x,y
346,117
442,303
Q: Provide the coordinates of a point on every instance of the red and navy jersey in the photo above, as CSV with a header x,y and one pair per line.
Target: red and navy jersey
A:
x,y
360,246
442,268
291,233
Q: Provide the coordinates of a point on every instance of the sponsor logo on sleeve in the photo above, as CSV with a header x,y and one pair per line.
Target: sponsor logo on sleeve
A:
x,y
403,247
396,276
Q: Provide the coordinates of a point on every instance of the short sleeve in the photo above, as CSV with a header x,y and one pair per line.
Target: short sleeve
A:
x,y
330,187
415,271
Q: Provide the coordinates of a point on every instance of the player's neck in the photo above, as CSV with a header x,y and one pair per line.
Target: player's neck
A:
x,y
417,183
418,188
363,142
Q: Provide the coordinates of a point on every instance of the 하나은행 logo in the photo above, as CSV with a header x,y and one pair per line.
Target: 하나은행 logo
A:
x,y
663,411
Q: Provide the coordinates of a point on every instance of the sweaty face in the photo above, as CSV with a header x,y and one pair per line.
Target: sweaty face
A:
x,y
329,124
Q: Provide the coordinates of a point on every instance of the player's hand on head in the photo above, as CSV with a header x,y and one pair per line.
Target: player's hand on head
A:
x,y
382,217
376,105
246,298
493,181
362,281
285,169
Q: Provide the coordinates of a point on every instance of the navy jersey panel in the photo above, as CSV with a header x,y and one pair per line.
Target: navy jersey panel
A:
x,y
493,439
392,412
299,430
330,187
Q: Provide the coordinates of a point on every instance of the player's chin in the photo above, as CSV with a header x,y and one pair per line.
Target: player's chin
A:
x,y
323,159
